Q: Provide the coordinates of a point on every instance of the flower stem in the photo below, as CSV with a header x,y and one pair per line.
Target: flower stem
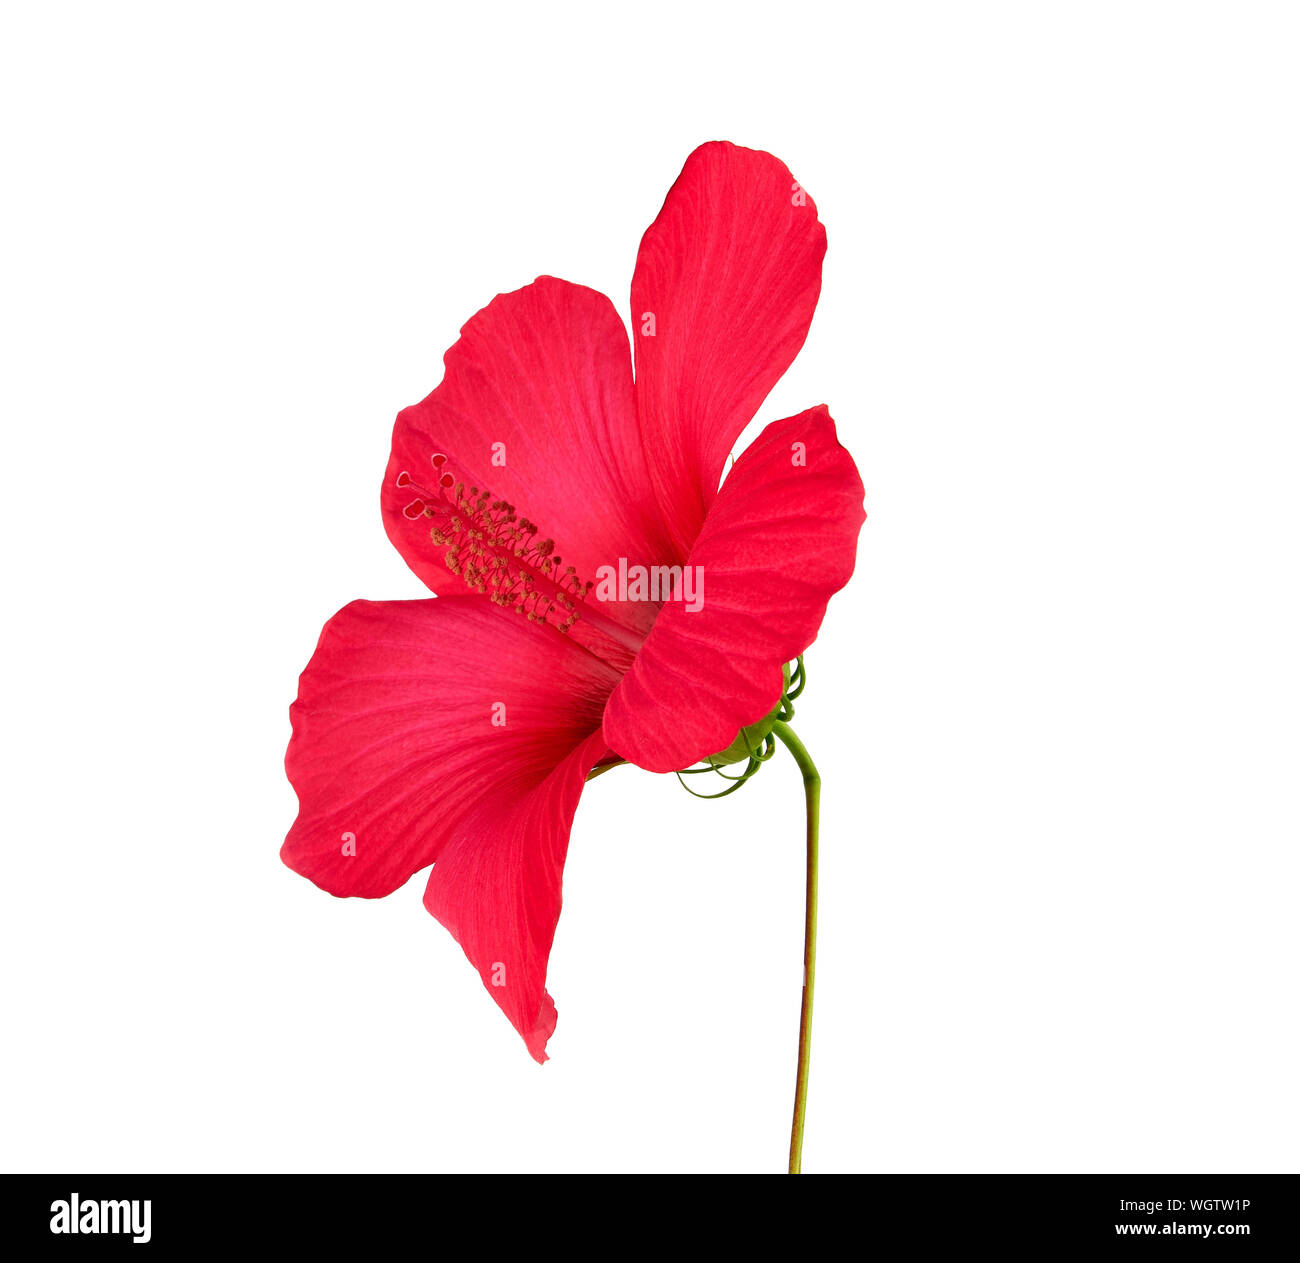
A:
x,y
812,786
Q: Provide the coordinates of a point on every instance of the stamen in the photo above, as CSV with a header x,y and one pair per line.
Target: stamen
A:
x,y
497,552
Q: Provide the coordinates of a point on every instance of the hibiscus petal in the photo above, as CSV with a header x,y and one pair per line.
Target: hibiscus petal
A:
x,y
496,887
779,539
730,272
536,405
395,747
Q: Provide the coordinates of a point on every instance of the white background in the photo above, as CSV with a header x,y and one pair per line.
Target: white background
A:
x,y
1055,711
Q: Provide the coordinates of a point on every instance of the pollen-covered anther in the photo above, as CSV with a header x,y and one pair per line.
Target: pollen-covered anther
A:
x,y
494,550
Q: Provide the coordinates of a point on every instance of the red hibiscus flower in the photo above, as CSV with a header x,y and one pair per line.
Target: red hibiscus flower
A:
x,y
458,731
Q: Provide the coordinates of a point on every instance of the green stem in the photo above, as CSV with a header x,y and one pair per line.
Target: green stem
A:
x,y
812,786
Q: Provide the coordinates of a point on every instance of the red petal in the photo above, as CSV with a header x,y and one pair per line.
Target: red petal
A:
x,y
394,747
730,272
545,374
496,887
778,541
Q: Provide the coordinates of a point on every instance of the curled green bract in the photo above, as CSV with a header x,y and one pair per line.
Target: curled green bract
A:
x,y
754,744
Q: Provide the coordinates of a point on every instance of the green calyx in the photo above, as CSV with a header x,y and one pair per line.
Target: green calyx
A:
x,y
754,743
753,736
